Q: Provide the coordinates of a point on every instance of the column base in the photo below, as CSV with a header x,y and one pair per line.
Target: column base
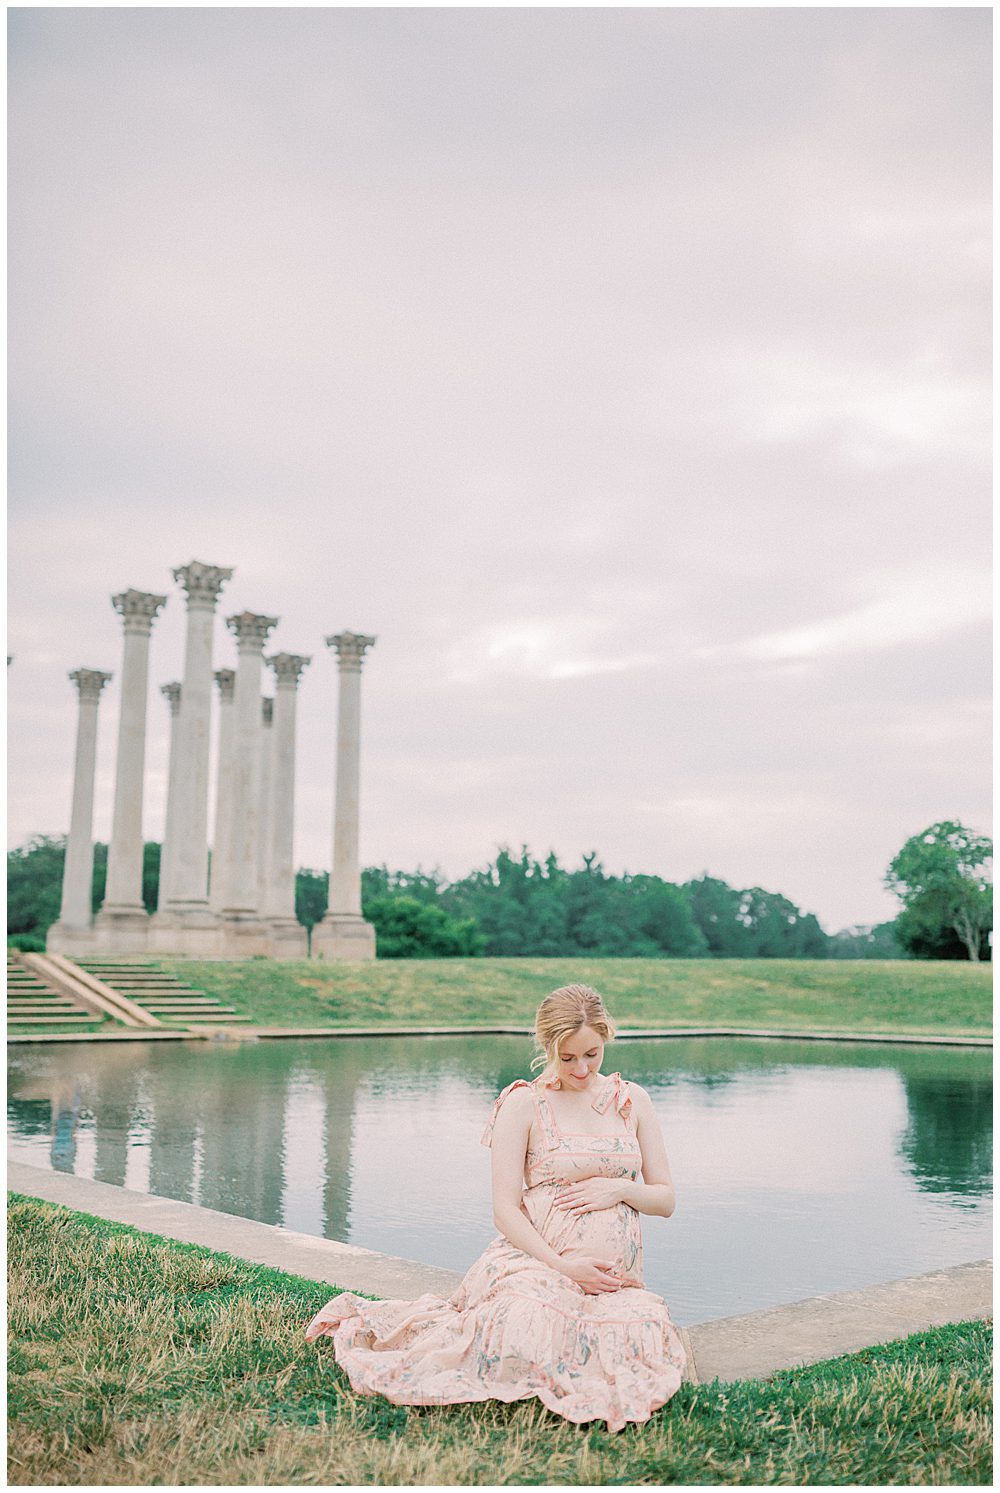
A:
x,y
121,930
244,935
63,938
289,940
189,929
344,937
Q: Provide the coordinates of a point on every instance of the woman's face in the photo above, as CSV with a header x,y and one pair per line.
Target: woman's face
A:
x,y
580,1057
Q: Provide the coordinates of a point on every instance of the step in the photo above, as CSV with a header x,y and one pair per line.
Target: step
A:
x,y
192,1010
222,1018
41,1008
52,1020
121,984
176,1000
124,969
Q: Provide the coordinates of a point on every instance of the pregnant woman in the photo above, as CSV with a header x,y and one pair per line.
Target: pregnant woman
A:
x,y
555,1308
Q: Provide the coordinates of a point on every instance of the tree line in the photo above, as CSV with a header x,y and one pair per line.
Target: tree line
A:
x,y
521,906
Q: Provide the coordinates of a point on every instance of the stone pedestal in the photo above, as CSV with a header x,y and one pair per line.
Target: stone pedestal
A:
x,y
343,933
73,933
184,922
122,925
347,938
288,937
244,933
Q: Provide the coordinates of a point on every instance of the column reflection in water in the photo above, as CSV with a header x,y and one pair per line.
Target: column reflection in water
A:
x,y
139,1141
174,1098
116,1080
341,1072
303,1150
241,1107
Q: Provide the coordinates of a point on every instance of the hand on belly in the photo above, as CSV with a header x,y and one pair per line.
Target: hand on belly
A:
x,y
588,1196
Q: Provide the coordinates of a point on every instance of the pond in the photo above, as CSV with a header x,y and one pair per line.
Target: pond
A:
x,y
800,1167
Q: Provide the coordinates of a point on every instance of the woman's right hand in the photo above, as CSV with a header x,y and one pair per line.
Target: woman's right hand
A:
x,y
593,1274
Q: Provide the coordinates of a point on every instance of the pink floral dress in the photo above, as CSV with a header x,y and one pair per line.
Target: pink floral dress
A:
x,y
515,1328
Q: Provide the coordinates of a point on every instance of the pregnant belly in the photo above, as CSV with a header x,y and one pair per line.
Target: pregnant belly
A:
x,y
611,1234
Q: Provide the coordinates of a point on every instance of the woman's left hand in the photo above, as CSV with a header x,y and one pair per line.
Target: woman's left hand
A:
x,y
590,1195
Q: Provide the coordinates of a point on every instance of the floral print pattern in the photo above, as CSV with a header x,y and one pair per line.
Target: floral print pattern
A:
x,y
516,1329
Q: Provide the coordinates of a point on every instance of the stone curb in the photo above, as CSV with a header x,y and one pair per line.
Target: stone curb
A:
x,y
728,1349
344,1265
252,1034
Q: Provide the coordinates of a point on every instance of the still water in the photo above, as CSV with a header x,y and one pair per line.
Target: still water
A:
x,y
800,1167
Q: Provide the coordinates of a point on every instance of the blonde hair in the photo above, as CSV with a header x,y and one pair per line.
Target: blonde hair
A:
x,y
561,1014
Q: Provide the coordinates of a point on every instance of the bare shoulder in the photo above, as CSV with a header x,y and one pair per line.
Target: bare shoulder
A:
x,y
519,1099
640,1098
517,1106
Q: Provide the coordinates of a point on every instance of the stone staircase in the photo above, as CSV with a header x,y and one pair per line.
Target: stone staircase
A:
x,y
155,990
32,1002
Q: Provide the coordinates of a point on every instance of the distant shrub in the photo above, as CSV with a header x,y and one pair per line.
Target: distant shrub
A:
x,y
27,943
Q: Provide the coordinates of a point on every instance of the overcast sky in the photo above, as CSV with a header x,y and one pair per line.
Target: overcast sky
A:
x,y
625,371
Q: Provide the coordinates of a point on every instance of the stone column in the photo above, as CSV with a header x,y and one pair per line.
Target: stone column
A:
x,y
244,932
226,680
172,694
265,780
122,924
72,933
185,922
289,939
343,932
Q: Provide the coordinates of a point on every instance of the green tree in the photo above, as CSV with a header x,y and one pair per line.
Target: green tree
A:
x,y
662,914
942,877
715,907
34,885
311,896
864,941
406,928
777,929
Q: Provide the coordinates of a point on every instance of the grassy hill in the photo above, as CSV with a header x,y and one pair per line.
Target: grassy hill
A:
x,y
795,994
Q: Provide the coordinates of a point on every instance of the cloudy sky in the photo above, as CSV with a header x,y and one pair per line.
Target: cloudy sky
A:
x,y
625,371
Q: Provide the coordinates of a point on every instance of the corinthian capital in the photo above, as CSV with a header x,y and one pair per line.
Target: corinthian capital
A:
x,y
226,680
90,682
251,630
202,583
350,648
172,694
288,668
137,609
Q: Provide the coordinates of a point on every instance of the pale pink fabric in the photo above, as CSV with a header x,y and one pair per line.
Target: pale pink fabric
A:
x,y
516,1329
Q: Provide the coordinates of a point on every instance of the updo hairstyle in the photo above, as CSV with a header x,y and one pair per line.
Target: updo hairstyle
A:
x,y
561,1014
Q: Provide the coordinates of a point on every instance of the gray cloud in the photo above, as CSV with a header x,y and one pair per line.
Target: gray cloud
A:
x,y
625,371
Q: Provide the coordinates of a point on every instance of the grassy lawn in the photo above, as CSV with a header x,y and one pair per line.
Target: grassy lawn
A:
x,y
795,994
135,1360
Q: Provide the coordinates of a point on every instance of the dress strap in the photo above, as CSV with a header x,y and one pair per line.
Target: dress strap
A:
x,y
486,1139
618,1092
546,1119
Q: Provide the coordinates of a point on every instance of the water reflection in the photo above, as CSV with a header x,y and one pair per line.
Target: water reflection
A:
x,y
800,1166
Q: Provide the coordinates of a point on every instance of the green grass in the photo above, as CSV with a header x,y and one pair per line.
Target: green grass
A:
x,y
136,1360
793,994
790,994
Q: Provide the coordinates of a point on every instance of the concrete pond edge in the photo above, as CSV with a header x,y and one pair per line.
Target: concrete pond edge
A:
x,y
729,1348
223,1033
